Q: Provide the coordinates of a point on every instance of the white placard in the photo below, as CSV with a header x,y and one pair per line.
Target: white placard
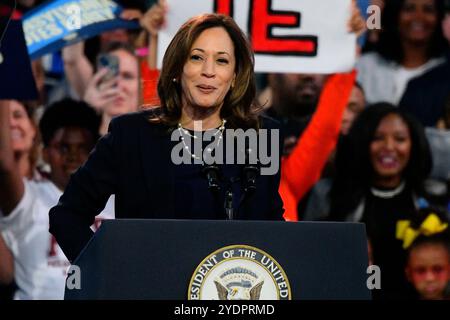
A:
x,y
312,36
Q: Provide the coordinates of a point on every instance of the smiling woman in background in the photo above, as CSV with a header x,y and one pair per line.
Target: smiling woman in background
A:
x,y
411,42
381,166
22,140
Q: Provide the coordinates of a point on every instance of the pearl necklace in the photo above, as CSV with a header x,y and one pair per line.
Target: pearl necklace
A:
x,y
184,132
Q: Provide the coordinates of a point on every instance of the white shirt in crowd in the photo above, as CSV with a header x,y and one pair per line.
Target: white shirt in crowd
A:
x,y
39,263
386,81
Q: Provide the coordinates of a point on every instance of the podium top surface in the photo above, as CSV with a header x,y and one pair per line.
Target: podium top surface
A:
x,y
157,259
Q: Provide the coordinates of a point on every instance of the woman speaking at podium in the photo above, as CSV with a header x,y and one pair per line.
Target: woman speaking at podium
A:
x,y
206,87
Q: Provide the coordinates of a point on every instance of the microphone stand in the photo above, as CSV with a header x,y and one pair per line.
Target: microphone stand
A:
x,y
250,174
229,211
212,174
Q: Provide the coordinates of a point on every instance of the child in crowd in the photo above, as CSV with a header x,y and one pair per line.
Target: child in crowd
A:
x,y
428,258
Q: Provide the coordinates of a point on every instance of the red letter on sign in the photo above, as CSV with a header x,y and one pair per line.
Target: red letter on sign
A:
x,y
263,19
224,7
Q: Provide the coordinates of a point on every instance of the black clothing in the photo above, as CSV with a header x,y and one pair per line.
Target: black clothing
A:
x,y
133,161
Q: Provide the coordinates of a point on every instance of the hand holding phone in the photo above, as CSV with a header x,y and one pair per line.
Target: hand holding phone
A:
x,y
111,62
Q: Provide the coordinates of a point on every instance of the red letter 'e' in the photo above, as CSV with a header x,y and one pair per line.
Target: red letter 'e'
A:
x,y
263,19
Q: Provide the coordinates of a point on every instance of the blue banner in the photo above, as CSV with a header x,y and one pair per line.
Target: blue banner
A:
x,y
363,5
58,23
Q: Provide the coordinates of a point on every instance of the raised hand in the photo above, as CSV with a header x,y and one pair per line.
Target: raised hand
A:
x,y
100,93
155,17
356,24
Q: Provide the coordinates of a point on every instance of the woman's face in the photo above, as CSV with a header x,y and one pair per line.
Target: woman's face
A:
x,y
127,98
390,148
354,107
23,131
418,20
210,69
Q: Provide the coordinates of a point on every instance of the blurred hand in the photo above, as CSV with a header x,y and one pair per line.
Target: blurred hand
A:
x,y
289,145
131,14
357,24
100,93
73,52
378,3
155,17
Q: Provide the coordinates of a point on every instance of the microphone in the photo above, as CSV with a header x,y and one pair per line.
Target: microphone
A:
x,y
212,173
250,172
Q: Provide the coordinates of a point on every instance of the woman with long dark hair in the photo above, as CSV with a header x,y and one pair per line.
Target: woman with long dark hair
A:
x,y
381,166
411,42
207,85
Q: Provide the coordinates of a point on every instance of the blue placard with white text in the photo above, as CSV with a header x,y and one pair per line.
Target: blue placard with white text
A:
x,y
58,23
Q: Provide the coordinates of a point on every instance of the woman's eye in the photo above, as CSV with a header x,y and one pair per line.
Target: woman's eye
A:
x,y
429,9
222,61
377,138
128,76
408,8
196,57
401,138
18,115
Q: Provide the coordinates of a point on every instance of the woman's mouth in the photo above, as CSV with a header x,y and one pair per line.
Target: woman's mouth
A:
x,y
206,89
388,161
119,101
16,135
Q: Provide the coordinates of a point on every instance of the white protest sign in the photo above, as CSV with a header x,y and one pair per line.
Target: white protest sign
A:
x,y
307,36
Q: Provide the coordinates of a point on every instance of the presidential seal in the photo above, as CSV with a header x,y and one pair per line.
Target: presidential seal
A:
x,y
239,272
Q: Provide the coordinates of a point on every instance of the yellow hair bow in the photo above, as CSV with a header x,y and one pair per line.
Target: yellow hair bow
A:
x,y
431,225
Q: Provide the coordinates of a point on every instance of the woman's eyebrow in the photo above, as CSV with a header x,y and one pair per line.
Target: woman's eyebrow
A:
x,y
219,52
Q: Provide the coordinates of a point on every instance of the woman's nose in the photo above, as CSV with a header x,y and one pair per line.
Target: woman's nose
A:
x,y
208,68
13,122
389,144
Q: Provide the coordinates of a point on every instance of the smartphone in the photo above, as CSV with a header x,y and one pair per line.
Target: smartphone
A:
x,y
111,62
447,6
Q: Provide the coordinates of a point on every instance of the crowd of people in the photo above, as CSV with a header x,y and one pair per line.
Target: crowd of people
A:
x,y
371,145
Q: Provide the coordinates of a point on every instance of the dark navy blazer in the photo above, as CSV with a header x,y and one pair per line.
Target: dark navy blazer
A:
x,y
133,161
425,96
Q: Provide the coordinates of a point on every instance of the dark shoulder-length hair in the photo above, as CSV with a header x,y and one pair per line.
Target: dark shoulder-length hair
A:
x,y
389,45
354,171
239,107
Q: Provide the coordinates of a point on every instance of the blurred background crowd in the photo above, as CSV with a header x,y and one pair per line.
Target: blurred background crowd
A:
x,y
369,146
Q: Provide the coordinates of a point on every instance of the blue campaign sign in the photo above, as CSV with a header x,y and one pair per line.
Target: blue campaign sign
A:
x,y
363,5
58,23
